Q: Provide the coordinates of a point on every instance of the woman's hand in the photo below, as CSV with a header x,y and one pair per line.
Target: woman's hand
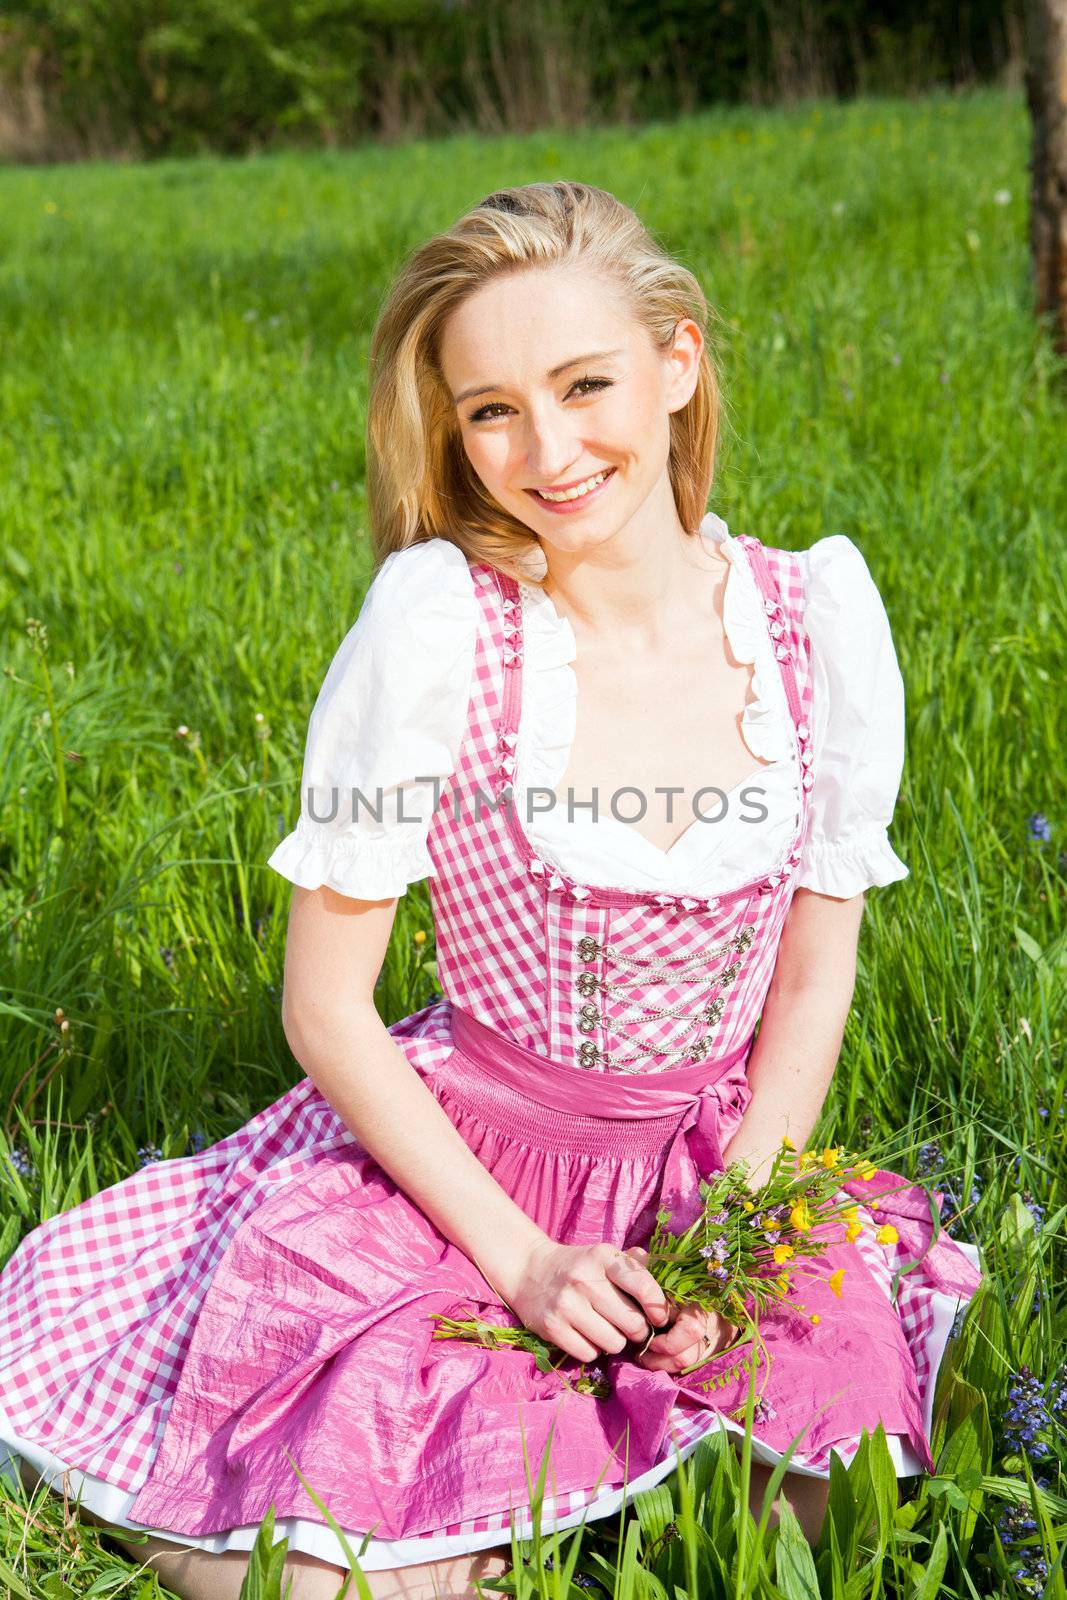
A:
x,y
590,1299
694,1335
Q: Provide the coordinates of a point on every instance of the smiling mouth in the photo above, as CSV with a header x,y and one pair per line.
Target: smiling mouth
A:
x,y
578,492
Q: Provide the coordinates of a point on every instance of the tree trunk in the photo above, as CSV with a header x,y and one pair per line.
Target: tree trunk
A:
x,y
1046,93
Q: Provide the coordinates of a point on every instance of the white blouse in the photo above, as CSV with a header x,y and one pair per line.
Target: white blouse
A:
x,y
393,709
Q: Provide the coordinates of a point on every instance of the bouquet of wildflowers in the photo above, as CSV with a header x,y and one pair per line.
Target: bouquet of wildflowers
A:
x,y
745,1252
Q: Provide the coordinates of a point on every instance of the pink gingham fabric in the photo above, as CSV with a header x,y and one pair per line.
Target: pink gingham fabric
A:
x,y
190,1332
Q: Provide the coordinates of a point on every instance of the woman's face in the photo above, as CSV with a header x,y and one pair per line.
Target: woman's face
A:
x,y
569,388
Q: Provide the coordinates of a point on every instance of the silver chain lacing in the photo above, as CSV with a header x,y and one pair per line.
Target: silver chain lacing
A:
x,y
656,969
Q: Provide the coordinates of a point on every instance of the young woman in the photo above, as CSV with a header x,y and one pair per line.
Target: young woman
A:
x,y
648,768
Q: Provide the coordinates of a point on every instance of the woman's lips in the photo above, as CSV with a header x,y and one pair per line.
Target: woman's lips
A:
x,y
577,504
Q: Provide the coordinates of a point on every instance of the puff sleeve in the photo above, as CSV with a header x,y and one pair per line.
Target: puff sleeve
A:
x,y
857,725
389,718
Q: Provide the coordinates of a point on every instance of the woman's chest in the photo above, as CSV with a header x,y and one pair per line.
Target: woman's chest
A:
x,y
656,742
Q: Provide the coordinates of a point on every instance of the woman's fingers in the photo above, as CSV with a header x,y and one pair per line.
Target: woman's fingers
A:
x,y
688,1328
691,1337
673,1362
619,1309
627,1271
600,1330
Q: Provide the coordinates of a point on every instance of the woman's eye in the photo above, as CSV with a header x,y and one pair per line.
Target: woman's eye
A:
x,y
586,385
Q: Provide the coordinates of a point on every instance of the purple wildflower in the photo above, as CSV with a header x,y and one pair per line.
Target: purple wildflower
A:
x,y
149,1153
197,1141
1015,1525
763,1411
1036,1211
1015,1522
1039,827
953,1206
930,1159
1026,1415
19,1161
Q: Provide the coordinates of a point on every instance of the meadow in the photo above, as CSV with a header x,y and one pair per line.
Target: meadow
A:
x,y
182,406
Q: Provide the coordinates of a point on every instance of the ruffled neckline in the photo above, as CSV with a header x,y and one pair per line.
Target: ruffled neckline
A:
x,y
549,716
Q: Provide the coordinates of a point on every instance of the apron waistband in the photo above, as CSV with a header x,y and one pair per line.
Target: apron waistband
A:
x,y
604,1094
692,1110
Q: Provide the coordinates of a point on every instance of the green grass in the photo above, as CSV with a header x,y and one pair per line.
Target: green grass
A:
x,y
182,399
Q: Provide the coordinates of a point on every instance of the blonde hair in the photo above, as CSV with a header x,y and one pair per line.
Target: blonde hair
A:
x,y
420,484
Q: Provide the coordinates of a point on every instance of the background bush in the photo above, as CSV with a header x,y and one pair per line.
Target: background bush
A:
x,y
133,77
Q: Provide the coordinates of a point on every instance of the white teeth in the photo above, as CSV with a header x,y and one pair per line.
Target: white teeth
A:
x,y
578,490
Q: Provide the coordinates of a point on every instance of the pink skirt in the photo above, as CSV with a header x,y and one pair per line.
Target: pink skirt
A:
x,y
314,1347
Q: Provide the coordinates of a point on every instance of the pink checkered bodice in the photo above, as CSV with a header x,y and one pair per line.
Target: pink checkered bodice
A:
x,y
591,976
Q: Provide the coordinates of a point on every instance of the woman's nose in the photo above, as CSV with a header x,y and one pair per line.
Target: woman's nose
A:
x,y
550,447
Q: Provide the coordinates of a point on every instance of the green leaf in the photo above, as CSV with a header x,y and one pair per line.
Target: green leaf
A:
x,y
266,1563
841,1515
794,1564
965,1457
56,1588
13,1581
655,1509
1030,946
928,1586
9,1235
109,1582
885,1486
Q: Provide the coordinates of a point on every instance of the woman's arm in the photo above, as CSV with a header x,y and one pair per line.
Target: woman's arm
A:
x,y
801,1029
335,947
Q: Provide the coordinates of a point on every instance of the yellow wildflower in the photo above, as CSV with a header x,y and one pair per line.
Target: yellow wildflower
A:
x,y
853,1231
887,1234
829,1155
835,1281
787,1142
865,1169
850,1213
800,1216
782,1252
807,1158
748,1206
815,1317
783,1280
419,936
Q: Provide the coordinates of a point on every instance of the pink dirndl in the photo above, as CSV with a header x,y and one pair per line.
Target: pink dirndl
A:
x,y
193,1332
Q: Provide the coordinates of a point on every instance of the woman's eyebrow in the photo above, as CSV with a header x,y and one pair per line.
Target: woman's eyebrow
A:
x,y
575,361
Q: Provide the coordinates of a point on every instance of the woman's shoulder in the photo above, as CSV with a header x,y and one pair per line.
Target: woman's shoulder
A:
x,y
834,558
840,594
831,576
419,594
421,568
